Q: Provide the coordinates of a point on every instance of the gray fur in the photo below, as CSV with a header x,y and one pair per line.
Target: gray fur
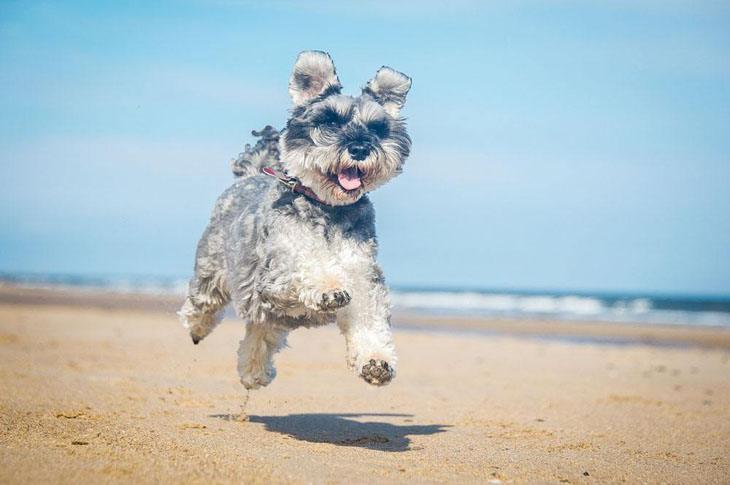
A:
x,y
285,260
265,153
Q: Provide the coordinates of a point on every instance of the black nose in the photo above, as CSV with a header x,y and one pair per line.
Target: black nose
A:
x,y
358,151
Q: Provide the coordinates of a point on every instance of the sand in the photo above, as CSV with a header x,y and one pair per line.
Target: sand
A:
x,y
110,392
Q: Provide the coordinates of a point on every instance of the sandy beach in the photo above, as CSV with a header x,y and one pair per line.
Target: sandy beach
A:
x,y
109,388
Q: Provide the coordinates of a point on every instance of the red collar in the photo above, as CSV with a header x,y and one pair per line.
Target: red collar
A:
x,y
292,183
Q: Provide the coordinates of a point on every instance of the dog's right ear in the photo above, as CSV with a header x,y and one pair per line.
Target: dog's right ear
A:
x,y
314,75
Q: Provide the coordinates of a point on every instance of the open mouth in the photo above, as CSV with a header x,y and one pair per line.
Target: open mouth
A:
x,y
349,178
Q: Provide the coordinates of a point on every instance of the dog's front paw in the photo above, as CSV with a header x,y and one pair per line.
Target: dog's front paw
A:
x,y
334,300
327,301
377,372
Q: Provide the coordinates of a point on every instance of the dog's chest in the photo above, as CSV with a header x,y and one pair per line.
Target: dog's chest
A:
x,y
344,235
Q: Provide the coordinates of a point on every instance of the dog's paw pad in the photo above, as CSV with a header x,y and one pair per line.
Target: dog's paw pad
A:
x,y
334,300
377,372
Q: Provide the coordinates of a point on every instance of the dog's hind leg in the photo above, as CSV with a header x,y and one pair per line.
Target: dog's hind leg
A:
x,y
256,353
208,289
203,307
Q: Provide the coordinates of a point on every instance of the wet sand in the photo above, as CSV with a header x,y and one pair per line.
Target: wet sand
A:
x,y
100,391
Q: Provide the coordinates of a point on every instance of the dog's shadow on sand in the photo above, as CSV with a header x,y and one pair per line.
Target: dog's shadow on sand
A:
x,y
344,430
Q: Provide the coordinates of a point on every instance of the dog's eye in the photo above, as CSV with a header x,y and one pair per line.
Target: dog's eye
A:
x,y
379,127
330,118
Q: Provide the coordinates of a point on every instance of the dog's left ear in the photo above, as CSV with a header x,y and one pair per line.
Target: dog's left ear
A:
x,y
389,88
313,75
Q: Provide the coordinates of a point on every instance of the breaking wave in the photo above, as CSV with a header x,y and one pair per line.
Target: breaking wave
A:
x,y
639,309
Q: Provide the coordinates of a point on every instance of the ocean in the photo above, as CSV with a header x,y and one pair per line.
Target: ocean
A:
x,y
501,304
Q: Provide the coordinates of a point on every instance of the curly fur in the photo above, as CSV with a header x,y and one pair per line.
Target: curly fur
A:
x,y
265,153
284,260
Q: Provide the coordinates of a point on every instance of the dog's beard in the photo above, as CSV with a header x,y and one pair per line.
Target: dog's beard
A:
x,y
335,177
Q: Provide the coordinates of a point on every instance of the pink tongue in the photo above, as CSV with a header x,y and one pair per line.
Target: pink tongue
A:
x,y
349,179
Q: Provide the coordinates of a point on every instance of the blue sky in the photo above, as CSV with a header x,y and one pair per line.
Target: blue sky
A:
x,y
557,145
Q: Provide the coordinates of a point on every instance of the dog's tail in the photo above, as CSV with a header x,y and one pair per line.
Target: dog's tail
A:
x,y
265,153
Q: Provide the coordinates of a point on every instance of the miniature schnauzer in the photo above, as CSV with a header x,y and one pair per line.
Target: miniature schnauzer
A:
x,y
292,242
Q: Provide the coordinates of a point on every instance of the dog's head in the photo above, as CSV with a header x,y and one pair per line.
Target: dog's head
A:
x,y
342,146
